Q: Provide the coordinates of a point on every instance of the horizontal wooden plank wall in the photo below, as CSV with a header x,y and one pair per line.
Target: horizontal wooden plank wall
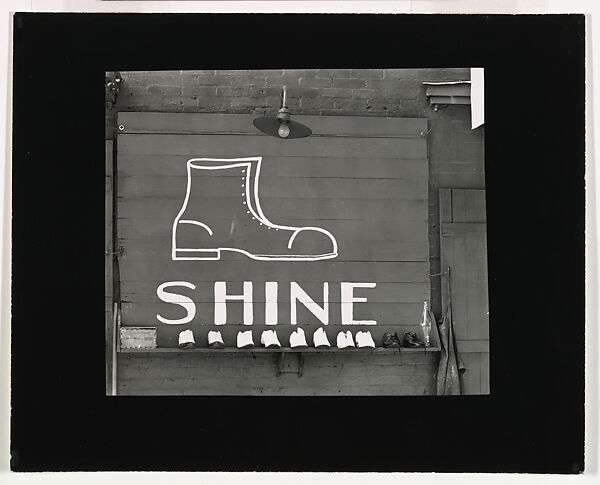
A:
x,y
363,179
194,123
256,374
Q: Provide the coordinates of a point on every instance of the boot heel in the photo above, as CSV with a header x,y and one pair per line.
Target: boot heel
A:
x,y
197,254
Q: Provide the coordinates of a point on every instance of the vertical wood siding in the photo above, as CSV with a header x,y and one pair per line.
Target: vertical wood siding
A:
x,y
464,250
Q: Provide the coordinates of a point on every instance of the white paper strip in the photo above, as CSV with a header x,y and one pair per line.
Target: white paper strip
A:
x,y
477,97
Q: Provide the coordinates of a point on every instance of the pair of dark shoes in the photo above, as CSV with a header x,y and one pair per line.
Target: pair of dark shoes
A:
x,y
411,340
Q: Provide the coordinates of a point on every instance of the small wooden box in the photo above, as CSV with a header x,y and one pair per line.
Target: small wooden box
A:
x,y
138,337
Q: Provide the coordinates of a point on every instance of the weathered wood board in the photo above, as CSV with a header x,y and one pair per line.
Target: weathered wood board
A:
x,y
195,123
168,335
232,146
256,374
140,313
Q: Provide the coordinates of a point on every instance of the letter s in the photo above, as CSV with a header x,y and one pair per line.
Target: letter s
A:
x,y
184,301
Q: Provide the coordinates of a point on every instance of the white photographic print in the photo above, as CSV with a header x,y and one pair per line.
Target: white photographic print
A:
x,y
304,232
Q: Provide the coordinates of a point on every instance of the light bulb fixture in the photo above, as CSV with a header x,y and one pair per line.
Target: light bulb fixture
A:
x,y
282,126
284,130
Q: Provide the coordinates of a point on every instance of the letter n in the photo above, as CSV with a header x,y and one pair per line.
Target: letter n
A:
x,y
297,293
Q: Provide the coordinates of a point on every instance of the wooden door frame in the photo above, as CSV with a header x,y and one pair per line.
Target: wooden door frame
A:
x,y
475,353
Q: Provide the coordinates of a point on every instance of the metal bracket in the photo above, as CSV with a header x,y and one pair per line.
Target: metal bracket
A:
x,y
113,85
280,364
118,252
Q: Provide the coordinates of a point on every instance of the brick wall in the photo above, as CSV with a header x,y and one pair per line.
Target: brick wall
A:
x,y
363,92
455,151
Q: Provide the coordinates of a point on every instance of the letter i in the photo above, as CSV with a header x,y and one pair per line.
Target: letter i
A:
x,y
270,303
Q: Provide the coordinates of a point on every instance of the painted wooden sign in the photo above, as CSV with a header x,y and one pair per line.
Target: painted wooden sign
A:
x,y
224,227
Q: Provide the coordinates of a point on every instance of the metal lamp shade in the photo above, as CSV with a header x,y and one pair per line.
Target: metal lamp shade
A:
x,y
270,126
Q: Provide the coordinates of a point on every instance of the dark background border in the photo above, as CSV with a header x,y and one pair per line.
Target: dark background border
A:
x,y
535,133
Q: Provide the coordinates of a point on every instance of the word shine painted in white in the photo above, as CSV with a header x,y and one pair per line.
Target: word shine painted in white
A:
x,y
297,294
182,300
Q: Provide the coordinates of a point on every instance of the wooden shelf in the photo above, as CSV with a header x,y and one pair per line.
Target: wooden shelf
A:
x,y
261,350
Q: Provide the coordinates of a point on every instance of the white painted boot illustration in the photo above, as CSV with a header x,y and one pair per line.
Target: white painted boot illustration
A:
x,y
222,213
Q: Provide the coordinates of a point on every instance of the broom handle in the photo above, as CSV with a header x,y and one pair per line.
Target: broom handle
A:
x,y
448,287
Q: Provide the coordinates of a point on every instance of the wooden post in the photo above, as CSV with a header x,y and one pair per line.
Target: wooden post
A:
x,y
115,346
109,310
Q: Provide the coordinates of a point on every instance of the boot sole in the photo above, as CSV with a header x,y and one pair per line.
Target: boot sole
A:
x,y
215,255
